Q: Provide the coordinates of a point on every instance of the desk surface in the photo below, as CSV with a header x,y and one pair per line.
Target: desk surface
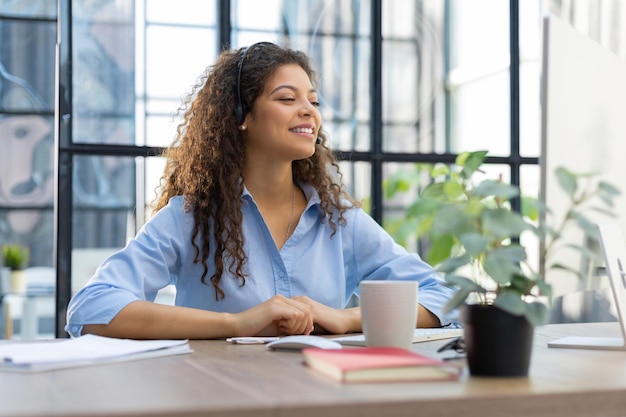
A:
x,y
219,379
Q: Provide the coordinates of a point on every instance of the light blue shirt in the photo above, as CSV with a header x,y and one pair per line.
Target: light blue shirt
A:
x,y
312,263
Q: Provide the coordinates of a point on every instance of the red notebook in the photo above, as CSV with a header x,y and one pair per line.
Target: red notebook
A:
x,y
378,364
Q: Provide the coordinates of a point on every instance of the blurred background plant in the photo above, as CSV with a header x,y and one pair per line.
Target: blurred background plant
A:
x,y
15,256
465,226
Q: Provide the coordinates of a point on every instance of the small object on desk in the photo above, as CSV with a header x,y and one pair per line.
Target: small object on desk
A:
x,y
299,342
456,346
251,340
422,334
379,364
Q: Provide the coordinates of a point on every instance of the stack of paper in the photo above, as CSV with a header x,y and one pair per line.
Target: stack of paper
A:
x,y
82,351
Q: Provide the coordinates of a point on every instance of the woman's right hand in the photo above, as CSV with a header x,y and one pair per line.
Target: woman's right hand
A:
x,y
277,316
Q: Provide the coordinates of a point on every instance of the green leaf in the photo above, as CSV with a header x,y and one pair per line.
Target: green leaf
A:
x,y
440,249
567,180
474,243
503,223
511,303
521,284
461,158
605,212
452,264
537,313
608,188
457,299
452,189
423,207
471,162
395,185
451,219
495,188
515,253
500,268
544,288
465,283
532,208
439,170
401,229
574,271
434,190
588,227
474,208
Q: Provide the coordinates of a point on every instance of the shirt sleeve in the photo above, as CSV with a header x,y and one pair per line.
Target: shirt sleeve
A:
x,y
379,257
147,264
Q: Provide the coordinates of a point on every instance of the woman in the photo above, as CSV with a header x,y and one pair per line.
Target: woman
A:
x,y
252,225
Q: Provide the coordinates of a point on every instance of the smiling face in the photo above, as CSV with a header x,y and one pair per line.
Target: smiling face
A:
x,y
284,122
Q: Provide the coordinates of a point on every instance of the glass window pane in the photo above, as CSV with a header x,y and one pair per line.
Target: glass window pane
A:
x,y
530,73
114,87
357,177
152,181
529,187
401,187
180,43
29,9
344,90
401,90
160,130
185,12
479,77
348,135
104,129
32,228
175,58
481,115
254,14
103,36
27,65
104,200
413,75
26,161
107,192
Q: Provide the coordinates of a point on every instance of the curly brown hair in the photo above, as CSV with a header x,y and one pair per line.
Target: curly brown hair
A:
x,y
205,162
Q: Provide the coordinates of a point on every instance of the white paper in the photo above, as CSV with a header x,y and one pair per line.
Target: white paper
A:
x,y
84,350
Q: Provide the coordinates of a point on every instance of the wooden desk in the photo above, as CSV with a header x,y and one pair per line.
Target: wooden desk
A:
x,y
220,379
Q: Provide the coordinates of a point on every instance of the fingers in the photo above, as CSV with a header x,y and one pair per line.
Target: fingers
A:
x,y
276,316
291,316
336,321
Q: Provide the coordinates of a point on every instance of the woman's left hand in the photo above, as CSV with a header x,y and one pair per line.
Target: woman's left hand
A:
x,y
334,321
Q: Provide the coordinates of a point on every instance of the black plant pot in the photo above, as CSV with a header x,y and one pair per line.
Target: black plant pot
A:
x,y
497,343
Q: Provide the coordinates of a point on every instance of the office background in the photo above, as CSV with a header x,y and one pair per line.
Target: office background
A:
x,y
402,82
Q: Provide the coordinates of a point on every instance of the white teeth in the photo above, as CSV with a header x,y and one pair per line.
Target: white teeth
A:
x,y
302,130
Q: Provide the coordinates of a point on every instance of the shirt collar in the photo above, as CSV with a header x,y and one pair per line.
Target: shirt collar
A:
x,y
312,197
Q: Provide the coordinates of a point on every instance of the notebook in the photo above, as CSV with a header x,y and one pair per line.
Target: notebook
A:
x,y
419,335
614,251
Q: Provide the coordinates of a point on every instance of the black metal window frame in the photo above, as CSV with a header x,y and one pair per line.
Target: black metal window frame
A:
x,y
66,150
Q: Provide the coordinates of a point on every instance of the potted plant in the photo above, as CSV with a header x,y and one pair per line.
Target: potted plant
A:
x,y
473,238
15,257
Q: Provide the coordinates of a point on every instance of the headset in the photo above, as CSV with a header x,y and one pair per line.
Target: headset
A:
x,y
240,114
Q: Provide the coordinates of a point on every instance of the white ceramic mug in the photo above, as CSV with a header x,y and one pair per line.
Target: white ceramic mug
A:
x,y
388,312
